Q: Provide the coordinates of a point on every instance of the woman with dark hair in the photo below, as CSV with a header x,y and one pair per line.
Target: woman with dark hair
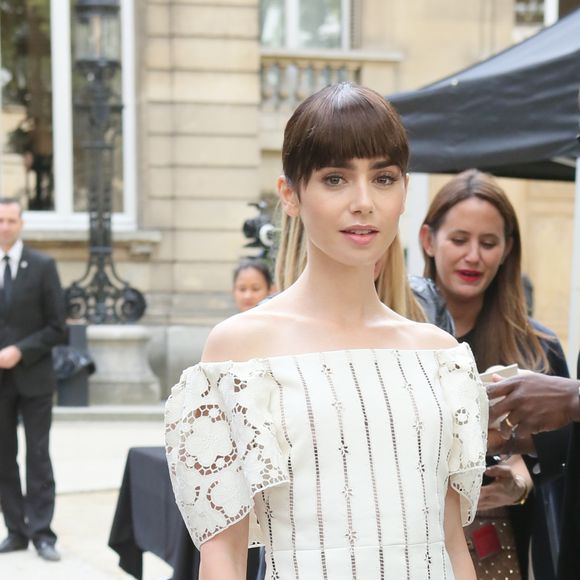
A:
x,y
356,436
472,249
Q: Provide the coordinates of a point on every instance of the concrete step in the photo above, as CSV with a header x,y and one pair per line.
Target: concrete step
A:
x,y
110,413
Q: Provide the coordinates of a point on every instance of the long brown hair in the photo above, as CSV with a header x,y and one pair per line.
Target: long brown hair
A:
x,y
339,123
502,333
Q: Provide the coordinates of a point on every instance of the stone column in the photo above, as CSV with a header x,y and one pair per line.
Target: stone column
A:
x,y
199,65
200,106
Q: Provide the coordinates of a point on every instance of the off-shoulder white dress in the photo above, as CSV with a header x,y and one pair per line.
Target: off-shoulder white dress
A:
x,y
344,457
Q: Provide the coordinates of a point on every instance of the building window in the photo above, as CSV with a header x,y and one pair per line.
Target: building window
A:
x,y
305,24
27,123
41,160
529,12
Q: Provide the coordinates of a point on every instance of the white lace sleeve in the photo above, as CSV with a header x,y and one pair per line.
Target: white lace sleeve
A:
x,y
467,400
221,445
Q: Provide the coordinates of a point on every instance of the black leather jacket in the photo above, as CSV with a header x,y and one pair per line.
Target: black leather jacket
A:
x,y
432,303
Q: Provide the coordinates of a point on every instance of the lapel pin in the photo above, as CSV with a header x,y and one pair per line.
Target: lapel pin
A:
x,y
24,264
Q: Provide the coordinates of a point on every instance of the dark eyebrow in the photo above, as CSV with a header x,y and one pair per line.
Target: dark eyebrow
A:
x,y
382,164
466,233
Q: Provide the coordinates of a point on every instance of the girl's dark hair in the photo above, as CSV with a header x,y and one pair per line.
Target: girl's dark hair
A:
x,y
503,333
256,264
341,122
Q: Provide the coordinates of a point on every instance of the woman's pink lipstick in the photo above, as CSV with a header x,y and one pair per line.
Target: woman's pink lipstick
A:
x,y
360,235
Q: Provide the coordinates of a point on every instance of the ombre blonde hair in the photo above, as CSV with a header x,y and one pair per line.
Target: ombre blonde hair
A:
x,y
393,286
291,256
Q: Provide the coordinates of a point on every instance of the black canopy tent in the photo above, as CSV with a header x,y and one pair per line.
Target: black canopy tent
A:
x,y
515,114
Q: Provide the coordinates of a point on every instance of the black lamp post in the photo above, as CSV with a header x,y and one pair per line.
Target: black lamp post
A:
x,y
100,296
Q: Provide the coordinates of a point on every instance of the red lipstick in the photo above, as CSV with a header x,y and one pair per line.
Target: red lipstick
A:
x,y
470,275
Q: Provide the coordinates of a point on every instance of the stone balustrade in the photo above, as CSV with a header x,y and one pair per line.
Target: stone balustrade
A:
x,y
289,76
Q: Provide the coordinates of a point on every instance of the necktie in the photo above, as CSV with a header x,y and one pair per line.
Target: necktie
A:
x,y
7,280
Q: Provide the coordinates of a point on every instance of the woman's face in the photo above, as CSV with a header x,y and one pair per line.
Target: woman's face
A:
x,y
350,212
468,249
250,288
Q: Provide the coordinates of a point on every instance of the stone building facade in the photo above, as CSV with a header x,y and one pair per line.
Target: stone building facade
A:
x,y
209,98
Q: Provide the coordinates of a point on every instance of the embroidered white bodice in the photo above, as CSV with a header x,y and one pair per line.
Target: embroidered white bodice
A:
x,y
344,457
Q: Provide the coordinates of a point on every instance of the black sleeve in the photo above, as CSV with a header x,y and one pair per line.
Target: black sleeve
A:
x,y
569,560
552,450
40,343
553,350
556,358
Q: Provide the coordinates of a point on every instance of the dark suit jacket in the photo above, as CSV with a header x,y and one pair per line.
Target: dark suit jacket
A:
x,y
34,322
552,451
569,568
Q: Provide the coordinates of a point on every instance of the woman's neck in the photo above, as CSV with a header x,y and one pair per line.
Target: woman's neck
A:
x,y
341,295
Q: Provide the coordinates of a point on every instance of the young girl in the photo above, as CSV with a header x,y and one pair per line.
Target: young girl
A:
x,y
356,436
252,284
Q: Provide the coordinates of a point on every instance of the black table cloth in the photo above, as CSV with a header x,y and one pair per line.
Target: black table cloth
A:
x,y
147,520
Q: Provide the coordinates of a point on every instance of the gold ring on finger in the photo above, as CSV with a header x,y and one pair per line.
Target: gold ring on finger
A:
x,y
509,423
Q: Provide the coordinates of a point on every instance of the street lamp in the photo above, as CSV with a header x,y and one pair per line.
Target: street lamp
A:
x,y
97,32
100,296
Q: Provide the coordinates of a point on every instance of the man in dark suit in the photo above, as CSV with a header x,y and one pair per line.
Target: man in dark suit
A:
x,y
31,323
536,403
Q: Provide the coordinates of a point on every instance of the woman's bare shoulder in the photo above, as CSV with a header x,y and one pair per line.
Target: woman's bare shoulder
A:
x,y
425,336
243,336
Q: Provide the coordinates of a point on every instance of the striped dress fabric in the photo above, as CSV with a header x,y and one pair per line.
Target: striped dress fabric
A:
x,y
342,458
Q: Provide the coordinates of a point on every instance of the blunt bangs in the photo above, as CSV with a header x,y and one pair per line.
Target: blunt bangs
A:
x,y
339,123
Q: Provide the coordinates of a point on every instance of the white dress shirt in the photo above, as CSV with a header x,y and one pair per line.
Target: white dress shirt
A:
x,y
14,253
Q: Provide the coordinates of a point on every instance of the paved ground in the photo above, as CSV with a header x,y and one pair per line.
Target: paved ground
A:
x,y
89,457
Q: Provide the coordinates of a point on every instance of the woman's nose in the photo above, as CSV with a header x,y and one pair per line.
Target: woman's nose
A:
x,y
362,200
473,253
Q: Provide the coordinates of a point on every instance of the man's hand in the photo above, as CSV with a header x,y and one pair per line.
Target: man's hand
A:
x,y
534,402
500,444
10,356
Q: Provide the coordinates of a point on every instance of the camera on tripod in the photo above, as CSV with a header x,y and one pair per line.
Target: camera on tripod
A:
x,y
260,230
